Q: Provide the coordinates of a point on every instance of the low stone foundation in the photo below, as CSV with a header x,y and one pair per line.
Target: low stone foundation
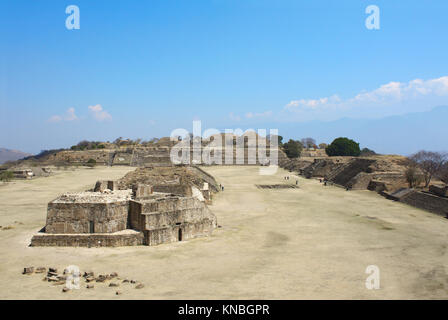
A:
x,y
428,202
441,191
116,239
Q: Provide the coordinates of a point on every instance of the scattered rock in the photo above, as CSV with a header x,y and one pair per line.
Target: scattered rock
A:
x,y
113,275
101,278
88,274
118,292
65,289
53,279
139,286
53,270
133,281
52,274
59,283
41,270
125,281
90,279
28,270
90,286
113,284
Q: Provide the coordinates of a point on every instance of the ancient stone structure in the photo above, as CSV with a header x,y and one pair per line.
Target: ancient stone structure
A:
x,y
88,212
383,174
158,153
21,173
427,201
178,180
111,217
314,153
167,218
354,174
441,191
373,173
420,199
117,239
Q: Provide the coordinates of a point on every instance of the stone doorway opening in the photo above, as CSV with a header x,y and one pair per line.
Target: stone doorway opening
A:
x,y
179,237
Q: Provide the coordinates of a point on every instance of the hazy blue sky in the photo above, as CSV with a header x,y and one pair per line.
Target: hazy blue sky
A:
x,y
142,68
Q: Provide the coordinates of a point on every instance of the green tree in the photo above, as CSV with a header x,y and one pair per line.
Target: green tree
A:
x,y
91,163
343,147
293,148
6,176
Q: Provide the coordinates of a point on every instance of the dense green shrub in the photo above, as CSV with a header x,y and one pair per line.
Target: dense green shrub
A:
x,y
343,147
6,176
292,148
91,163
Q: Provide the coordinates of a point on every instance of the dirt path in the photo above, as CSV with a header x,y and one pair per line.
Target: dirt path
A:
x,y
309,243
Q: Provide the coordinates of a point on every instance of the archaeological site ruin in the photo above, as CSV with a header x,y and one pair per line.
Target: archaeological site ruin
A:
x,y
160,202
109,216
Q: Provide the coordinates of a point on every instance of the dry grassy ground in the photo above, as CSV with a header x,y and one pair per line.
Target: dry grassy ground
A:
x,y
307,243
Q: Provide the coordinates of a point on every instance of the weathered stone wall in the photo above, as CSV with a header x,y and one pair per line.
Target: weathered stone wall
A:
x,y
153,156
178,189
377,186
160,220
81,157
169,219
181,232
319,168
102,185
78,217
314,153
23,173
205,176
127,238
426,201
361,181
122,158
350,170
441,191
160,213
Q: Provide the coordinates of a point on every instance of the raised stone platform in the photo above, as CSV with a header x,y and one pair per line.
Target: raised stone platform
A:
x,y
112,218
115,239
88,212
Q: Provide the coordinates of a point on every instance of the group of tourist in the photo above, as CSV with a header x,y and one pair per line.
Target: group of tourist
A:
x,y
287,178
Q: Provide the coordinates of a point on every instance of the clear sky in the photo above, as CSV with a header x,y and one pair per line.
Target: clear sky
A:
x,y
140,69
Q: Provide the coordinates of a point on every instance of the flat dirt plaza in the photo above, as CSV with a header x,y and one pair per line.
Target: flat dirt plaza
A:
x,y
313,242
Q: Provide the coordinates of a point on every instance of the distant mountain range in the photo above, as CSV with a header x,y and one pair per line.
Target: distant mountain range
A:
x,y
400,134
11,155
